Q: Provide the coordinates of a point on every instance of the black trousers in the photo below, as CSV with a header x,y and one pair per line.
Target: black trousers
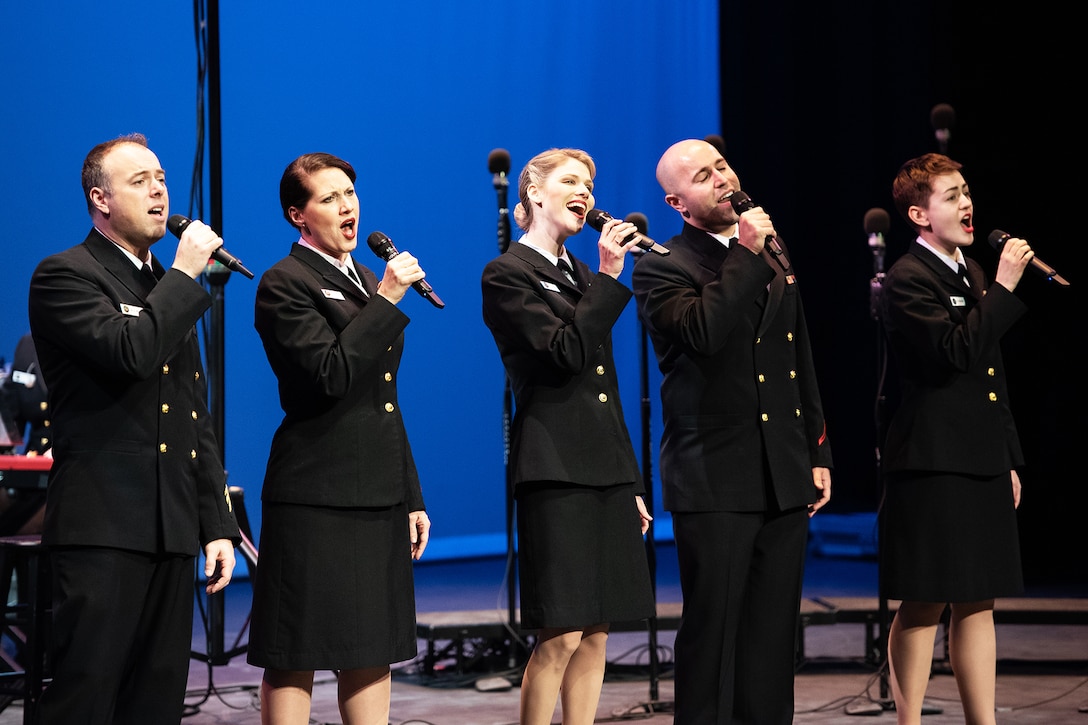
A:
x,y
122,631
741,576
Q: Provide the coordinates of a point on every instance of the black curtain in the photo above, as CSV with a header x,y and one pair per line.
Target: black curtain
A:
x,y
821,104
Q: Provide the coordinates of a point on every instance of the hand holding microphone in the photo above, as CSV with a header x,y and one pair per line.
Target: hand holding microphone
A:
x,y
741,203
177,224
998,241
382,246
597,218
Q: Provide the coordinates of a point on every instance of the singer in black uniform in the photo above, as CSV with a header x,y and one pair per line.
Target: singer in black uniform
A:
x,y
343,513
27,399
745,458
137,486
949,532
576,481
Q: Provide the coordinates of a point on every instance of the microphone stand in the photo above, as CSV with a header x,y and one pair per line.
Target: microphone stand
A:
x,y
501,184
876,244
654,705
876,289
216,276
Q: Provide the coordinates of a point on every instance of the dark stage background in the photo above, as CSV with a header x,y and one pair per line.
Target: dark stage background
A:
x,y
822,102
818,104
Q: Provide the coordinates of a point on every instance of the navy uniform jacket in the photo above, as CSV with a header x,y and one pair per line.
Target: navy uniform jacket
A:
x,y
556,344
741,408
136,462
954,413
335,353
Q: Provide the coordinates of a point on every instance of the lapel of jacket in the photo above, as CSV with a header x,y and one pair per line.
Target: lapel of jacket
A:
x,y
977,287
775,290
714,254
117,264
329,273
546,269
949,279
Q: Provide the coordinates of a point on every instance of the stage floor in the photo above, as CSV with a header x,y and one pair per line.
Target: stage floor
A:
x,y
463,612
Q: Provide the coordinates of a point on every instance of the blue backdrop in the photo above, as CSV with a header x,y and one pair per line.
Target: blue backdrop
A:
x,y
416,95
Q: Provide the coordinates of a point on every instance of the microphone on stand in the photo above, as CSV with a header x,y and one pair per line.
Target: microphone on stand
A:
x,y
717,142
942,118
642,224
877,224
498,163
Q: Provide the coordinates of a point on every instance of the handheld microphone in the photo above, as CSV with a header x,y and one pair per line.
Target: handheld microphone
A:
x,y
997,240
942,118
597,218
382,246
876,224
177,224
741,203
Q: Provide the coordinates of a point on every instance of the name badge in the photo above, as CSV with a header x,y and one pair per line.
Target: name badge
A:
x,y
958,301
23,378
131,310
332,294
548,286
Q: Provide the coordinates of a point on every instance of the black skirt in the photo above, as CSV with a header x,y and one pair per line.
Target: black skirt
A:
x,y
333,589
581,556
949,538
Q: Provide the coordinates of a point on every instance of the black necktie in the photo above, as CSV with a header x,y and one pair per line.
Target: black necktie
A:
x,y
962,269
149,273
567,271
355,278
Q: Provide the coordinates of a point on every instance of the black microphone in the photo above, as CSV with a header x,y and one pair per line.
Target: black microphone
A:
x,y
597,218
942,118
177,225
741,203
997,240
717,142
877,224
383,247
642,224
498,163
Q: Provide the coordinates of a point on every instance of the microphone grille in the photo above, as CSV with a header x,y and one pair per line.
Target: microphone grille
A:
x,y
596,218
741,202
642,224
942,117
877,221
177,224
998,238
717,142
498,161
379,243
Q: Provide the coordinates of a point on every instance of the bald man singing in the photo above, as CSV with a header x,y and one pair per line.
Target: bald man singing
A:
x,y
745,458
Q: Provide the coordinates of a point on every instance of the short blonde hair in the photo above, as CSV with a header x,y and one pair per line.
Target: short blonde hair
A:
x,y
536,171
